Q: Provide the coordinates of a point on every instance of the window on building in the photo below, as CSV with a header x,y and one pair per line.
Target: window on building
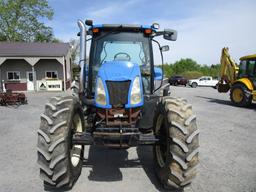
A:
x,y
13,75
51,75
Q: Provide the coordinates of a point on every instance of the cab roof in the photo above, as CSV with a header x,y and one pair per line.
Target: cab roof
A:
x,y
248,57
123,26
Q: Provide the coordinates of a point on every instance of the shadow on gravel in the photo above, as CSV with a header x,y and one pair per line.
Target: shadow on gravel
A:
x,y
145,154
225,102
106,164
214,100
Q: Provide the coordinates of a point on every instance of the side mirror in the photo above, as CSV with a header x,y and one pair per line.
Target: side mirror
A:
x,y
88,22
170,34
155,26
165,48
158,73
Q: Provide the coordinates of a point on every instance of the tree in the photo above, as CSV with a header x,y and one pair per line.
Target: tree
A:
x,y
185,65
21,20
167,70
74,50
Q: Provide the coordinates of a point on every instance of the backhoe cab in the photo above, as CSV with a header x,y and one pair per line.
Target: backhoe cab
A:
x,y
120,100
240,80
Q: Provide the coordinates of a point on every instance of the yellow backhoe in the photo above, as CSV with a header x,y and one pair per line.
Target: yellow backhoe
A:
x,y
240,80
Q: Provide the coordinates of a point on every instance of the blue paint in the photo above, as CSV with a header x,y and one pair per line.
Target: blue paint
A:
x,y
119,71
158,73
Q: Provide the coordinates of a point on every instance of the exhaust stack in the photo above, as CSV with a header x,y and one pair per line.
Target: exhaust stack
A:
x,y
82,59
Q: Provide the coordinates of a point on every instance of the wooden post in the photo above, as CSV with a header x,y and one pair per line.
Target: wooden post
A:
x,y
34,78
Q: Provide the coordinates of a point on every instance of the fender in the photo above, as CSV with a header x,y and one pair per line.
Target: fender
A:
x,y
246,82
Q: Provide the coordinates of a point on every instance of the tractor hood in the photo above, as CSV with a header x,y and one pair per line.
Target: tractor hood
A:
x,y
119,71
118,78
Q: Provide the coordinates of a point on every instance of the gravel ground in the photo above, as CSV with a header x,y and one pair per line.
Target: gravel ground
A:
x,y
227,153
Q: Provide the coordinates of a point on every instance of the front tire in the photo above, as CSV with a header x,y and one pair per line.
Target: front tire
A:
x,y
60,162
176,155
240,95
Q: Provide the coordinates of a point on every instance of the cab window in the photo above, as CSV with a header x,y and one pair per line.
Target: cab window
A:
x,y
242,68
251,68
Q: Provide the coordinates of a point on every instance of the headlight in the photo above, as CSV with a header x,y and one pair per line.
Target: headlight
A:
x,y
100,93
136,92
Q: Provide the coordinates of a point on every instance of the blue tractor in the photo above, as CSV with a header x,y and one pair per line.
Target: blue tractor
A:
x,y
120,100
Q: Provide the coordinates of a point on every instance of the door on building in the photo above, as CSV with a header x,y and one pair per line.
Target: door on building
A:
x,y
30,81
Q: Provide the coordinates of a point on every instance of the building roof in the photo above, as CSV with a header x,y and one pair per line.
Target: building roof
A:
x,y
21,49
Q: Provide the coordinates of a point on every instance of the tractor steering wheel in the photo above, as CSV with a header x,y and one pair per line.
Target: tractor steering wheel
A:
x,y
122,53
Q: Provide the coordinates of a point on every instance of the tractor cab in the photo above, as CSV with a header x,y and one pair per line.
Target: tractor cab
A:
x,y
118,55
247,68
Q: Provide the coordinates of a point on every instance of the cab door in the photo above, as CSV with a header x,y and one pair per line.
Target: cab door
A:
x,y
251,71
202,81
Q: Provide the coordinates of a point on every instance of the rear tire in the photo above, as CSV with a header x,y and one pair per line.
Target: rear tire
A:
x,y
176,155
60,162
240,96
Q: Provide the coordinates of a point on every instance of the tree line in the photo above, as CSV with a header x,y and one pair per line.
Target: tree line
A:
x,y
190,69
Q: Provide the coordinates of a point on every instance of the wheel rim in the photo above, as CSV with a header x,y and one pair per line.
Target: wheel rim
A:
x,y
161,148
76,150
237,95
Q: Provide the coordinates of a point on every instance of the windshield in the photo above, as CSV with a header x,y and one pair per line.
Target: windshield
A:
x,y
119,46
247,68
123,50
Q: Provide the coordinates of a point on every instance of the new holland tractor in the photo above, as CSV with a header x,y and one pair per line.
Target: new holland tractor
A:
x,y
120,100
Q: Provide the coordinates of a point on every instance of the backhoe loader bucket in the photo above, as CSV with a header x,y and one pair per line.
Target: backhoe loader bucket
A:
x,y
223,88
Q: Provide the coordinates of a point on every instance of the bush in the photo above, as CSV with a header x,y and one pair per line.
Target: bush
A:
x,y
192,74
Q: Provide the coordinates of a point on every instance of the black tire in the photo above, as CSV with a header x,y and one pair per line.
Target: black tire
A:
x,y
62,115
176,155
246,97
194,85
176,83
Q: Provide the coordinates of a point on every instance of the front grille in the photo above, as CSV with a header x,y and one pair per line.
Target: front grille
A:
x,y
118,92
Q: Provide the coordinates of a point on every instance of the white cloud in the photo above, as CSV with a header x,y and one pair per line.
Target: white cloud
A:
x,y
202,37
204,29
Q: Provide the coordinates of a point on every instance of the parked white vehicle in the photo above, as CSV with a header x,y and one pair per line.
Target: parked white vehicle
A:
x,y
205,81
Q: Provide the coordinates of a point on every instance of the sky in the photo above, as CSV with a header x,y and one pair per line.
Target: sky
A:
x,y
204,26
